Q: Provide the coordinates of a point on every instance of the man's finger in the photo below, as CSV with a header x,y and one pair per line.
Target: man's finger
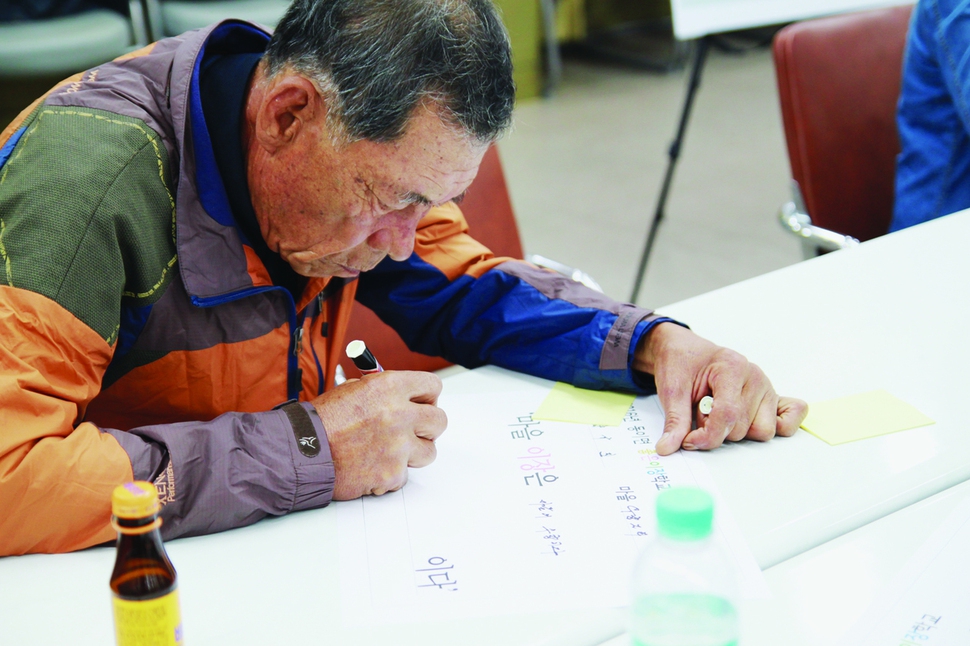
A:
x,y
423,453
430,422
677,418
422,387
765,422
716,428
390,484
756,394
791,414
752,399
727,389
719,424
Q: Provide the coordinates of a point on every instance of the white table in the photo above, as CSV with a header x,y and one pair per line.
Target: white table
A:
x,y
885,315
821,593
889,314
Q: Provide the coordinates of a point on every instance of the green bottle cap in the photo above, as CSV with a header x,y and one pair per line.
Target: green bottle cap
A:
x,y
685,513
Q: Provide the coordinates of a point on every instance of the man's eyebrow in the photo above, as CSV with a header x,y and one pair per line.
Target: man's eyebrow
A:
x,y
417,198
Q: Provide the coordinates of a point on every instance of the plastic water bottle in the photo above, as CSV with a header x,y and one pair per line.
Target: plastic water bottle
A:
x,y
683,583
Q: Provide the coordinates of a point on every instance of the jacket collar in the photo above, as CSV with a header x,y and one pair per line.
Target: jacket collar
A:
x,y
215,264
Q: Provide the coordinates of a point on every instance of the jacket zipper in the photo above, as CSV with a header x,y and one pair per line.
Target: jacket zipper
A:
x,y
313,350
294,376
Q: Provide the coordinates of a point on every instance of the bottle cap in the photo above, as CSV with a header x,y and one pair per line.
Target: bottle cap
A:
x,y
685,513
135,500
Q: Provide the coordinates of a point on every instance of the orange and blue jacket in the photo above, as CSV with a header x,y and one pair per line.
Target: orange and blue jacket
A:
x,y
141,337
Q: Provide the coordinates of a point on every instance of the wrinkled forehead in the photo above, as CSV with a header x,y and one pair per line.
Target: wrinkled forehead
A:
x,y
432,161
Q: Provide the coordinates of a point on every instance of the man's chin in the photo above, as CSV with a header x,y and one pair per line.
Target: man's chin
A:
x,y
325,271
328,268
313,271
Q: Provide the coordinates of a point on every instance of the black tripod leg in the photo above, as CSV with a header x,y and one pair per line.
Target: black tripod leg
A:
x,y
695,80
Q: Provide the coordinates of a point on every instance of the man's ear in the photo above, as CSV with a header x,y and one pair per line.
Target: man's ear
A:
x,y
288,107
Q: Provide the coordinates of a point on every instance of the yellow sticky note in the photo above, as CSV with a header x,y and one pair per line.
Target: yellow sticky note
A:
x,y
567,403
858,417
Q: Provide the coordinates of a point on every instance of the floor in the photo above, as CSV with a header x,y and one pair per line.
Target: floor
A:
x,y
585,167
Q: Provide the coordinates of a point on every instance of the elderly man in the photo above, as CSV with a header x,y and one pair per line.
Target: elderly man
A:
x,y
183,232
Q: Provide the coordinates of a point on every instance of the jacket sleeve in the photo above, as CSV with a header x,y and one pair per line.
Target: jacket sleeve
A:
x,y
57,472
453,298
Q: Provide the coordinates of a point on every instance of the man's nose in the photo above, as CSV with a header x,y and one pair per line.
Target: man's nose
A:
x,y
397,241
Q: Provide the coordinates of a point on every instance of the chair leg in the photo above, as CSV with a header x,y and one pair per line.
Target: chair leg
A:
x,y
553,56
152,13
140,31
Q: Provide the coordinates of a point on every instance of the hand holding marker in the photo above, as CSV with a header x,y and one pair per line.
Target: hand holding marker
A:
x,y
363,358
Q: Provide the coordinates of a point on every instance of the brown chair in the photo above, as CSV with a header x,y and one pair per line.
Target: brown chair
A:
x,y
488,209
838,82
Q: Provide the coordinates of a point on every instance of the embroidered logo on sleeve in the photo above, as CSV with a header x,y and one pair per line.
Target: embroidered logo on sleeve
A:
x,y
165,483
306,436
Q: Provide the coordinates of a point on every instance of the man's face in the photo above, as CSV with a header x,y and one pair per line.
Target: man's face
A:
x,y
338,211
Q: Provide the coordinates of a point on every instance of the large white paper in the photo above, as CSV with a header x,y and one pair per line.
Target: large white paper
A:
x,y
517,516
928,602
696,18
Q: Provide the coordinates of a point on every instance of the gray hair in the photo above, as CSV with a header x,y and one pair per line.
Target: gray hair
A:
x,y
375,61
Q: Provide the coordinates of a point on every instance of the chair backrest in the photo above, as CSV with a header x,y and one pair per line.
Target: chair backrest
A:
x,y
179,16
491,221
63,45
838,83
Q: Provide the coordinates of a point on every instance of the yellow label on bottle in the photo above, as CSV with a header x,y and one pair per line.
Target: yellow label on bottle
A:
x,y
155,622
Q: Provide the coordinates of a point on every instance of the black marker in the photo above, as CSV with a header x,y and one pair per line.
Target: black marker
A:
x,y
363,358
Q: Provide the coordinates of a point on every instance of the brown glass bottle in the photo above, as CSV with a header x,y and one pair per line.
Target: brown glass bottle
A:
x,y
143,583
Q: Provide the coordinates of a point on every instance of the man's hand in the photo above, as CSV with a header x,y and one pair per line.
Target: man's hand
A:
x,y
687,367
379,426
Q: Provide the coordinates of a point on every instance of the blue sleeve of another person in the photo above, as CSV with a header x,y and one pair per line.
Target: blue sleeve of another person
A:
x,y
933,167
